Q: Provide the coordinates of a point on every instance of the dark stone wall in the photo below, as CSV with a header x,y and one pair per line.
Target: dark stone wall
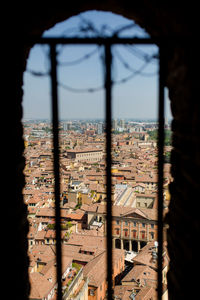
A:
x,y
183,216
166,19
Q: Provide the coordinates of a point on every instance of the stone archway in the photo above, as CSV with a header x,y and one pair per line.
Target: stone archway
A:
x,y
135,246
142,244
117,243
181,64
126,245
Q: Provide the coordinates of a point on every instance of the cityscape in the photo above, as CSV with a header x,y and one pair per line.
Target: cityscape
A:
x,y
102,103
83,208
82,165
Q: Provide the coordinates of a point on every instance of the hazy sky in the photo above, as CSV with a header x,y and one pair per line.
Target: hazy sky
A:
x,y
135,98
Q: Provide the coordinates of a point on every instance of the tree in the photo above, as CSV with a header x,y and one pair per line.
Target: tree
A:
x,y
153,135
167,156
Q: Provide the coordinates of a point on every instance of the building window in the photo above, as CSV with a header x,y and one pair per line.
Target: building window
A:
x,y
134,233
91,292
152,235
126,232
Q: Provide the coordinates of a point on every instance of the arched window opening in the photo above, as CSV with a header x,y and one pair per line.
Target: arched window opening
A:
x,y
105,164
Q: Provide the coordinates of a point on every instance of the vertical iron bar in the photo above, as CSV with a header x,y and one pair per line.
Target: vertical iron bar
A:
x,y
161,136
54,99
108,96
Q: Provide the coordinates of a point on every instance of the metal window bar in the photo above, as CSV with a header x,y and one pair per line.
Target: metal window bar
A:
x,y
56,162
108,99
161,137
107,43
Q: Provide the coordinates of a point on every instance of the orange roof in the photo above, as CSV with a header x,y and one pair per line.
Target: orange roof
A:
x,y
75,216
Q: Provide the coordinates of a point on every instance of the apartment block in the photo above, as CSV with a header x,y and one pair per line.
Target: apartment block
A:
x,y
91,155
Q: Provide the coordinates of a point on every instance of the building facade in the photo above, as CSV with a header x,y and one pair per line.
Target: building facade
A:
x,y
132,228
91,155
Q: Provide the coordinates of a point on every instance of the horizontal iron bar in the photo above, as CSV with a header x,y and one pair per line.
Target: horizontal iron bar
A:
x,y
96,40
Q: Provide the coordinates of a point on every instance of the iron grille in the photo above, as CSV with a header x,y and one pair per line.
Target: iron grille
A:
x,y
107,43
